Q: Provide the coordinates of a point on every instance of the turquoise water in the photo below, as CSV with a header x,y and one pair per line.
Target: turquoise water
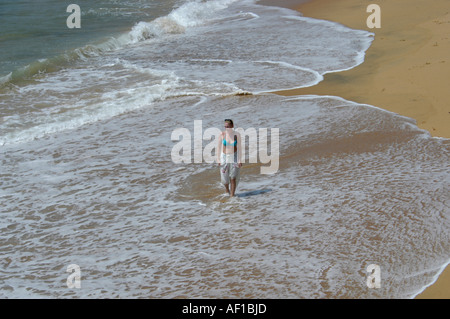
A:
x,y
34,30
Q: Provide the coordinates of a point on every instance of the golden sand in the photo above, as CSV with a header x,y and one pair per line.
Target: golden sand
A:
x,y
406,69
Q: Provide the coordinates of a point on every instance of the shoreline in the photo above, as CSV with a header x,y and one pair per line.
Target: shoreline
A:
x,y
405,70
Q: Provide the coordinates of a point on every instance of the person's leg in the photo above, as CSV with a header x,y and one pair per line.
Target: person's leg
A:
x,y
227,188
233,186
234,178
224,176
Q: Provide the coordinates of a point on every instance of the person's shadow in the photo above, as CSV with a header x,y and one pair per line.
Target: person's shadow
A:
x,y
252,193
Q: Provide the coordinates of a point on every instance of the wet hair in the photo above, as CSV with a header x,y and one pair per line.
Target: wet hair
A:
x,y
229,121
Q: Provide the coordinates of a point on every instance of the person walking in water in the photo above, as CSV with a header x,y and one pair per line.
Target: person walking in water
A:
x,y
229,153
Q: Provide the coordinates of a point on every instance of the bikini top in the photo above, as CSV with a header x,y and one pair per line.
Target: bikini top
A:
x,y
224,141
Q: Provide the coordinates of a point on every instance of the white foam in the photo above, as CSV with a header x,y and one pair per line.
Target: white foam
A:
x,y
6,78
113,104
190,14
194,13
191,55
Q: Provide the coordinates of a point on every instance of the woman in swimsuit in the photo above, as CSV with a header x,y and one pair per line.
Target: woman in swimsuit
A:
x,y
229,157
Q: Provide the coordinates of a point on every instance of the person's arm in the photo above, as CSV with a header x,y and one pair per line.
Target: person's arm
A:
x,y
239,149
219,148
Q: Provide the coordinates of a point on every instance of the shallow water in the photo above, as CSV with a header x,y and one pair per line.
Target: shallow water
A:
x,y
108,198
88,175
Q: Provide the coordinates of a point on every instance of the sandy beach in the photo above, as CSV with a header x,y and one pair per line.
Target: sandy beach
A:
x,y
108,149
405,70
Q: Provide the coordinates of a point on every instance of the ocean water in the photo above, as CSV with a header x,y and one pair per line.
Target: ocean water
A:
x,y
88,176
